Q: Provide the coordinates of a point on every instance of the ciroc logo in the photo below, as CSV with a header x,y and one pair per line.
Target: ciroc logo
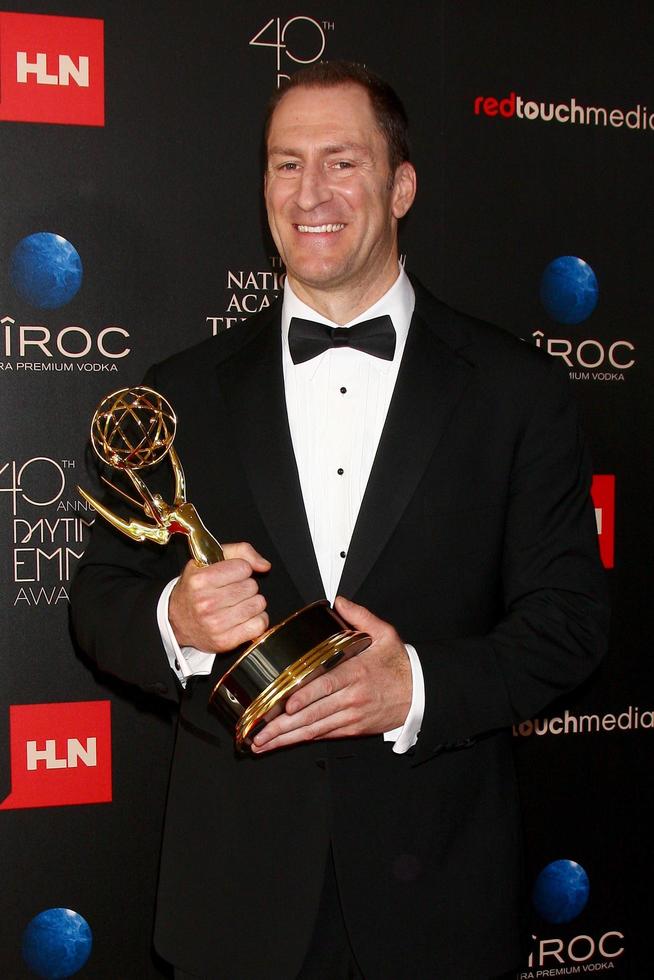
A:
x,y
46,271
560,894
51,69
569,293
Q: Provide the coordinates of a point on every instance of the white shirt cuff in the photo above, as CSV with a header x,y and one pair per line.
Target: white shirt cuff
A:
x,y
406,736
185,662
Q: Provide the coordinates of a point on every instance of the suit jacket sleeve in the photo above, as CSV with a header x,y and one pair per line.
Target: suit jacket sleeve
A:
x,y
554,628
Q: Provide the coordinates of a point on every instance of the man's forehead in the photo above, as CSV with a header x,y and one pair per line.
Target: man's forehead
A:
x,y
336,116
320,100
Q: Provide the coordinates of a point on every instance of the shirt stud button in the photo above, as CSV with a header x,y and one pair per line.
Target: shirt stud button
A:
x,y
340,471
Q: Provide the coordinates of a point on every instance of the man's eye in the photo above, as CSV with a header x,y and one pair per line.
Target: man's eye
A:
x,y
288,167
343,165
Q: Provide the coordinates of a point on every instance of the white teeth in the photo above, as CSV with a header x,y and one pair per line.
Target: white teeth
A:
x,y
319,229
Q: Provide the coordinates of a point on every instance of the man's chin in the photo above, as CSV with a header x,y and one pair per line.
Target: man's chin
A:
x,y
311,278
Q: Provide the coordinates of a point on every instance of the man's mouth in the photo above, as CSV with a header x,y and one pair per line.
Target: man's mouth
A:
x,y
319,229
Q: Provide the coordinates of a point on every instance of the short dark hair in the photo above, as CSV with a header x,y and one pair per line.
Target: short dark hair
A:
x,y
386,104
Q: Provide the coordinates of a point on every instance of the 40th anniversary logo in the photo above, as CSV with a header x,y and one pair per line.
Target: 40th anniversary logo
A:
x,y
297,41
46,528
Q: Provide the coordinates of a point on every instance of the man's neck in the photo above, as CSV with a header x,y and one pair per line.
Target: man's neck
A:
x,y
343,306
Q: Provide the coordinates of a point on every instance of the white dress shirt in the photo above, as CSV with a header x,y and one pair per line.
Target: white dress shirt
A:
x,y
337,404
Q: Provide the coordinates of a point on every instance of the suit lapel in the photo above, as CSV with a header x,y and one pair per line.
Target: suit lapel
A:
x,y
252,385
431,381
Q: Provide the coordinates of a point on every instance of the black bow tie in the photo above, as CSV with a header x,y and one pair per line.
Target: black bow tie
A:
x,y
307,339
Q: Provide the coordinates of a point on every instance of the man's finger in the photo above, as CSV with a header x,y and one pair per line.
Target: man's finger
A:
x,y
335,725
320,687
242,549
244,632
325,699
217,576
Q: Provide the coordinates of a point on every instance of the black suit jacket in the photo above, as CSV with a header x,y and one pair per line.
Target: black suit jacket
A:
x,y
476,539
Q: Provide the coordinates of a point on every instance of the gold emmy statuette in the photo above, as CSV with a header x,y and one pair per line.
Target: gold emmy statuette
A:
x,y
133,429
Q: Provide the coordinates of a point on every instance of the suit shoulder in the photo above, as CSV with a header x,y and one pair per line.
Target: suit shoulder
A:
x,y
484,344
212,351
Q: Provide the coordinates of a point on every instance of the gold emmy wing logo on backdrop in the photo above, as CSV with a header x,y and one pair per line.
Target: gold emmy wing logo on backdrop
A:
x,y
133,429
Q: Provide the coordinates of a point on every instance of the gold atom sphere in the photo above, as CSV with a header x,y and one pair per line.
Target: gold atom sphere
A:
x,y
133,428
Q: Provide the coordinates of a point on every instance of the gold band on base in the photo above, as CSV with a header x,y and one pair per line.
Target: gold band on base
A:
x,y
323,655
307,643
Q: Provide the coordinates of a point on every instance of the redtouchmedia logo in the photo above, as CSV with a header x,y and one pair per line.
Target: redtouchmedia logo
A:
x,y
60,754
603,494
568,113
51,69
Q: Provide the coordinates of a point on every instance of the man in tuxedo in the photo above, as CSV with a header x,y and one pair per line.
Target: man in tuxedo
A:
x,y
366,443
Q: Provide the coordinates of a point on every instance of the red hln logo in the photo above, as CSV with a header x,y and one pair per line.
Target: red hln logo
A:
x,y
60,754
51,69
603,494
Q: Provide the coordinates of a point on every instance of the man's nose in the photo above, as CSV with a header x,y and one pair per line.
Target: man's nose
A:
x,y
313,189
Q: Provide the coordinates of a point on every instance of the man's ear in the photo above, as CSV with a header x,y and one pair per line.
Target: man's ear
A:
x,y
404,188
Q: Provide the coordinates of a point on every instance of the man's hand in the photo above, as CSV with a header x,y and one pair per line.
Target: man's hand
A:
x,y
218,607
366,695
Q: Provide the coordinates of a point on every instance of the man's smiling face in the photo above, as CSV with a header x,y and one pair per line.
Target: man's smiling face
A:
x,y
332,203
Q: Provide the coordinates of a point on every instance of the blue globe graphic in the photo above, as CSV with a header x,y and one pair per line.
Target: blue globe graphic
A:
x,y
569,290
45,270
57,943
561,891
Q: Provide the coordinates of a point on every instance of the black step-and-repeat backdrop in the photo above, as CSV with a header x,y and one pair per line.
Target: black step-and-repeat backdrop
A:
x,y
131,227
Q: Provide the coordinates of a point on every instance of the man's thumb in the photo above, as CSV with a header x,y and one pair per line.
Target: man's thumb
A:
x,y
357,616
